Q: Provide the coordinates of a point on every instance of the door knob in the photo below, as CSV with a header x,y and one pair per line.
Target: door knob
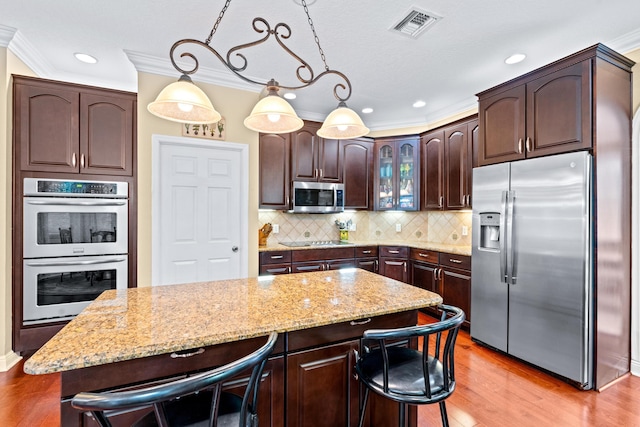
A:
x,y
234,249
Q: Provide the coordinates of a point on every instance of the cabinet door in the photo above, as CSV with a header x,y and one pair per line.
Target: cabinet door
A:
x,y
394,268
47,128
559,111
455,166
357,163
321,388
456,290
407,186
424,275
432,174
304,153
274,171
385,175
502,127
329,160
106,134
369,264
473,132
271,395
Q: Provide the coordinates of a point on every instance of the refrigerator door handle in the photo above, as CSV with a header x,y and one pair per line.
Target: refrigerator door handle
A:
x,y
502,246
511,198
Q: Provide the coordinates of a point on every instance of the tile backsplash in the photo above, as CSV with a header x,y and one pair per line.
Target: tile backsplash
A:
x,y
433,227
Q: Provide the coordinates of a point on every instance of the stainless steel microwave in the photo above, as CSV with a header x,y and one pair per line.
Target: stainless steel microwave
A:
x,y
317,197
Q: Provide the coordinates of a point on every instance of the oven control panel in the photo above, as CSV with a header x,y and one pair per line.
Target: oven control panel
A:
x,y
57,187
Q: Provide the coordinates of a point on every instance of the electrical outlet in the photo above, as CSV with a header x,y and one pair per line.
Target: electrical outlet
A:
x,y
352,227
398,228
465,230
276,229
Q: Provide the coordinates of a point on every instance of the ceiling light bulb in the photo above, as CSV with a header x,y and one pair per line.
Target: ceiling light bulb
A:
x,y
185,107
342,128
83,57
290,95
419,104
273,117
515,58
367,110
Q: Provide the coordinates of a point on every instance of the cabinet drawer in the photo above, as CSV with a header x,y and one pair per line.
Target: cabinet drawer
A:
x,y
269,269
366,251
348,330
322,254
394,251
456,261
424,255
275,257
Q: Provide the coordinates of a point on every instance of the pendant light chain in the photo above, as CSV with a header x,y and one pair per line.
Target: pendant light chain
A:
x,y
315,36
215,26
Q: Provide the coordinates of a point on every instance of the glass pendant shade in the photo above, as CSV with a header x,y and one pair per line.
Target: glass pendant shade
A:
x,y
342,123
273,114
184,102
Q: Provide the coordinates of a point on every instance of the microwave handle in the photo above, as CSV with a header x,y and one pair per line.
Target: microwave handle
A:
x,y
63,263
62,202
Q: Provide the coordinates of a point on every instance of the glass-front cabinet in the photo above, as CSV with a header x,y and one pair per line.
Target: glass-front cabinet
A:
x,y
397,170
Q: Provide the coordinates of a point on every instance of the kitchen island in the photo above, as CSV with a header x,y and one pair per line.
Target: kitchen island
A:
x,y
133,336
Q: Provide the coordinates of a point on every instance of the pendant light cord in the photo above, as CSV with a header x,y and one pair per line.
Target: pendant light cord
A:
x,y
215,26
315,36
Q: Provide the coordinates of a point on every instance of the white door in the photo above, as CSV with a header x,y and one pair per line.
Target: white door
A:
x,y
200,210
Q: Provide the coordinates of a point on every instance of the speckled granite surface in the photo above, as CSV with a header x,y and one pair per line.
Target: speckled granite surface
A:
x,y
133,323
440,247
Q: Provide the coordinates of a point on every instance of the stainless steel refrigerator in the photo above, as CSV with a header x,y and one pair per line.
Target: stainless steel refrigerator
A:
x,y
532,284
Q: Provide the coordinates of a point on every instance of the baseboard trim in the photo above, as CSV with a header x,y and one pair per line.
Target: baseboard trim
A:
x,y
8,361
635,368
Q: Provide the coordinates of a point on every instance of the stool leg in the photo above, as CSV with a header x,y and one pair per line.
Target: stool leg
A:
x,y
402,415
363,407
443,414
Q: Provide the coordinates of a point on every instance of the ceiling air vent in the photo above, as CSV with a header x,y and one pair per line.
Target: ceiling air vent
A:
x,y
415,22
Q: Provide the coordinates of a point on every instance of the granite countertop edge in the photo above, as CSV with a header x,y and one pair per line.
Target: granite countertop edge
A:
x,y
439,247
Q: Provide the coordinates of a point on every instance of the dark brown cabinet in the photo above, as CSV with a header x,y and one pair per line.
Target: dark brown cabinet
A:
x,y
367,258
68,128
322,259
275,262
394,262
447,162
357,172
319,379
314,158
275,180
397,168
545,112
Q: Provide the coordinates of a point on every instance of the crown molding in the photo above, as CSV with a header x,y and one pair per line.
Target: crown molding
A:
x,y
6,35
162,66
28,54
626,43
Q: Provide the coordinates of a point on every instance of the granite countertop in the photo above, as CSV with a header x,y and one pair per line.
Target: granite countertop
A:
x,y
139,322
440,247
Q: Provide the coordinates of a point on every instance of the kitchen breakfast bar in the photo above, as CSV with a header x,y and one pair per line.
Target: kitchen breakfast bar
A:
x,y
149,334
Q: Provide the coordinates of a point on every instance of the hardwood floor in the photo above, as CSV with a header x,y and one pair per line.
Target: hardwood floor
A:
x,y
493,390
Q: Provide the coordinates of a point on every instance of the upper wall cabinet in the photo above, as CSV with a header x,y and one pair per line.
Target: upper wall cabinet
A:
x,y
397,167
357,172
67,128
275,180
314,158
545,112
447,162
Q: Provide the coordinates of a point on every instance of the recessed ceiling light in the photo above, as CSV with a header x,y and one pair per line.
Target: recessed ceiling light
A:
x,y
290,95
85,58
419,104
367,110
515,58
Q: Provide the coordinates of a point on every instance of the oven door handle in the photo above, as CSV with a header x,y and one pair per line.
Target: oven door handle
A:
x,y
63,263
76,203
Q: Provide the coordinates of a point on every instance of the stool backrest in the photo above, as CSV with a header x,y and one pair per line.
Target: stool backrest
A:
x,y
157,395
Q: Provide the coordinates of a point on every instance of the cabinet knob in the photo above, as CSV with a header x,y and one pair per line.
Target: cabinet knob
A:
x,y
520,146
528,145
234,249
73,160
82,161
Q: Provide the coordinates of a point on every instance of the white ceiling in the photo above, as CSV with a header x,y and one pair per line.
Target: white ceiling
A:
x,y
446,66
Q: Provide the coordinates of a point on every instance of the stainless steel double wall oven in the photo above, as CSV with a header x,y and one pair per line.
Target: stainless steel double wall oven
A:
x,y
75,240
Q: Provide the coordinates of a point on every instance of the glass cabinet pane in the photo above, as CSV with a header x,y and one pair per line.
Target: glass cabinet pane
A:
x,y
407,196
386,177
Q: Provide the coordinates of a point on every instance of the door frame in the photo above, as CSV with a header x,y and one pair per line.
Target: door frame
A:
x,y
635,241
157,142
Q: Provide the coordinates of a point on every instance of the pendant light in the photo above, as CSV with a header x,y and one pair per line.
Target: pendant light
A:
x,y
342,123
273,114
184,102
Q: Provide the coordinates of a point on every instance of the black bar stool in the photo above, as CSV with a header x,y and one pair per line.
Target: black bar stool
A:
x,y
408,376
193,400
